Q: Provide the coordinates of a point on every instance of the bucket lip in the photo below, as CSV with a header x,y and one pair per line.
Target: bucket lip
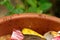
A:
x,y
29,15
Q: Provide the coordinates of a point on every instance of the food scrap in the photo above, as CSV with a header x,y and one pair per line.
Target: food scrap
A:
x,y
56,38
29,34
51,34
32,37
17,35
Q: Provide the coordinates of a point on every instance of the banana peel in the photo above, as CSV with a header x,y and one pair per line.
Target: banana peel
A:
x,y
31,32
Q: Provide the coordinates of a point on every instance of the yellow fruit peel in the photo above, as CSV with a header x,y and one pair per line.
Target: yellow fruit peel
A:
x,y
31,32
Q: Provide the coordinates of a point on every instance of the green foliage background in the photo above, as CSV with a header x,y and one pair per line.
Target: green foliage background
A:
x,y
33,6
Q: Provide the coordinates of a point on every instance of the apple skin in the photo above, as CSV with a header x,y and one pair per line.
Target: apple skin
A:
x,y
56,38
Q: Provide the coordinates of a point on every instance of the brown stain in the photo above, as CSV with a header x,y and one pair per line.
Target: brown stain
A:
x,y
39,22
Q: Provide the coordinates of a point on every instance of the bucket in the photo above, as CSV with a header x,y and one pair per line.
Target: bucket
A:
x,y
40,23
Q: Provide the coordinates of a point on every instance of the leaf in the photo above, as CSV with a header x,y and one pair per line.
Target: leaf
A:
x,y
19,3
43,1
2,1
45,6
10,13
35,6
18,9
39,11
33,3
32,9
9,6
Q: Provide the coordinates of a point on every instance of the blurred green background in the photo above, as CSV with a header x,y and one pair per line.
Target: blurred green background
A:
x,y
10,7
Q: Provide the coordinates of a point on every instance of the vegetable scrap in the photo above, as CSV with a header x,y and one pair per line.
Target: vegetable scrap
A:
x,y
17,35
51,34
56,38
29,34
33,37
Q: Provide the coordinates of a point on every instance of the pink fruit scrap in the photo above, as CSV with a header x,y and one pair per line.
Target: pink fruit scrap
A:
x,y
56,38
17,35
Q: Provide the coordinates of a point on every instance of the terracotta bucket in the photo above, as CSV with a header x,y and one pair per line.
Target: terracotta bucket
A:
x,y
41,23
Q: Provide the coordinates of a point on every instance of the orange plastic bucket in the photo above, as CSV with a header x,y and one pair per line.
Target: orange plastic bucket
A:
x,y
41,23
